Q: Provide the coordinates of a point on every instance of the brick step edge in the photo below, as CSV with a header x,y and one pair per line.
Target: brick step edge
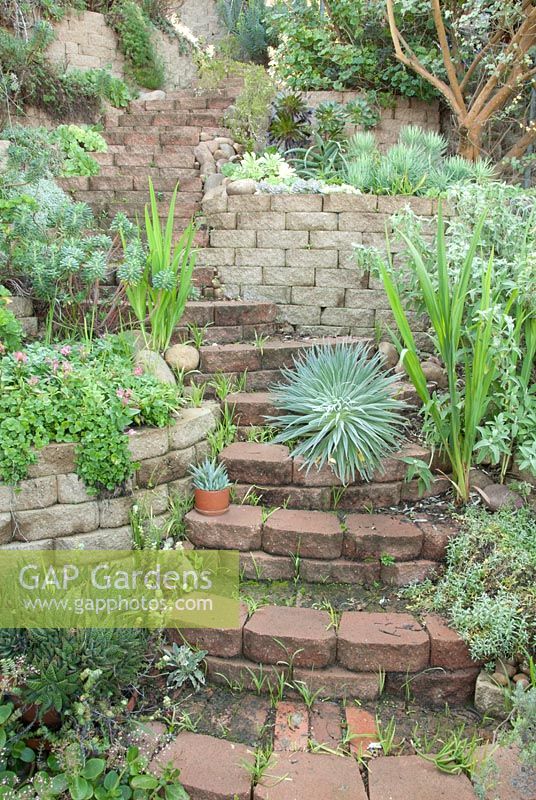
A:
x,y
433,687
359,549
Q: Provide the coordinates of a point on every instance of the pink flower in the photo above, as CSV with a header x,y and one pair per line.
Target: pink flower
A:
x,y
66,350
33,381
138,371
20,357
124,395
55,365
67,367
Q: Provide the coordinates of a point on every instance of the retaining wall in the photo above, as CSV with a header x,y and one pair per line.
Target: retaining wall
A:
x,y
83,40
297,251
403,111
52,510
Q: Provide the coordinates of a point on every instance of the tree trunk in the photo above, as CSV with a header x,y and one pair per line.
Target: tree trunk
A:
x,y
470,144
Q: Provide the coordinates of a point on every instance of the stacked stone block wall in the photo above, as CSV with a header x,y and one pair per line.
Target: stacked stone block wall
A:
x,y
298,251
52,510
83,40
403,111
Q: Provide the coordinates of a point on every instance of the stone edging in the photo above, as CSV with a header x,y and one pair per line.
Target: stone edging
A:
x,y
52,509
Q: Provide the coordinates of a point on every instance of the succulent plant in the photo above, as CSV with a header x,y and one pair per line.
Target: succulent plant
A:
x,y
337,404
209,476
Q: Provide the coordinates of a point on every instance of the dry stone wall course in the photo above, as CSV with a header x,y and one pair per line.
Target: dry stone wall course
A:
x,y
298,251
54,510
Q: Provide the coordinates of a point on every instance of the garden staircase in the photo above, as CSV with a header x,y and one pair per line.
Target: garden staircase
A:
x,y
155,139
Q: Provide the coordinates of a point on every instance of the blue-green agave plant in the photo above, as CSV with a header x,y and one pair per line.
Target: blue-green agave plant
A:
x,y
338,404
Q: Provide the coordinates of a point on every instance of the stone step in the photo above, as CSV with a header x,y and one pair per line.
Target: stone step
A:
x,y
251,408
299,775
413,778
430,660
223,775
361,549
271,355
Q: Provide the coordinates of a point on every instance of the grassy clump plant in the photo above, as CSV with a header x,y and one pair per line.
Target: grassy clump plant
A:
x,y
337,404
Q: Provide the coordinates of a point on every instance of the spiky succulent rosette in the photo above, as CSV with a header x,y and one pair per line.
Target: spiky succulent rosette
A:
x,y
337,407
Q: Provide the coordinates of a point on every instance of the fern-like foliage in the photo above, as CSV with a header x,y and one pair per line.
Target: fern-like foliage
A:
x,y
337,404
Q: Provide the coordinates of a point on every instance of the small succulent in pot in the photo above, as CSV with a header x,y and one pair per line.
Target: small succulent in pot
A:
x,y
211,488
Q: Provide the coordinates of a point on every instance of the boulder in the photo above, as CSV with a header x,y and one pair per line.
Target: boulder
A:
x,y
212,181
389,353
182,357
434,373
154,364
489,697
202,153
242,186
225,150
496,496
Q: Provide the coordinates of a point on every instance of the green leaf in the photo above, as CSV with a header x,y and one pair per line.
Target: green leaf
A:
x,y
5,712
144,782
176,792
94,767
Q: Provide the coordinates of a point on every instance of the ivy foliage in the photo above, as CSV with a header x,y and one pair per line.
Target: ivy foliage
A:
x,y
90,395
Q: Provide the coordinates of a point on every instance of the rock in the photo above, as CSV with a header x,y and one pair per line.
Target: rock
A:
x,y
182,356
227,150
154,364
521,678
506,668
202,153
434,373
212,181
496,496
243,186
389,353
500,678
208,168
489,698
149,97
479,479
219,140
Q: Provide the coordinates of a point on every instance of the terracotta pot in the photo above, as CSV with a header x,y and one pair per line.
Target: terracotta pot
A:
x,y
212,504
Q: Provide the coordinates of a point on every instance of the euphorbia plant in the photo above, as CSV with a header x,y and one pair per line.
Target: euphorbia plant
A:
x,y
463,336
158,281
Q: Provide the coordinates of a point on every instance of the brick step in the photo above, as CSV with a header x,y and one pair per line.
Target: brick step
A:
x,y
269,465
227,321
320,546
272,355
170,119
227,772
344,659
251,408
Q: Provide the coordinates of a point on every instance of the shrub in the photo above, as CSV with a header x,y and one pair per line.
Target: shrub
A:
x,y
135,34
248,118
10,327
246,22
347,45
290,121
507,222
77,393
487,591
339,407
29,78
464,339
